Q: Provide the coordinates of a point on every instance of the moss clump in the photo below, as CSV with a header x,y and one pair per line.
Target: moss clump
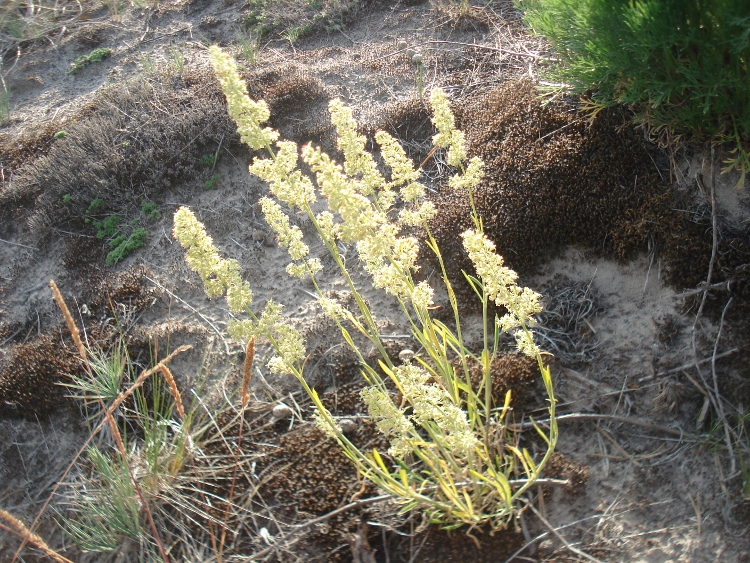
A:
x,y
95,56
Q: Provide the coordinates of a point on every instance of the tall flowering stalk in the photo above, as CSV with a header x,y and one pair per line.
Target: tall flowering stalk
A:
x,y
451,454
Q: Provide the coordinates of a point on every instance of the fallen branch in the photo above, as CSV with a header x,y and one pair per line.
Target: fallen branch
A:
x,y
594,416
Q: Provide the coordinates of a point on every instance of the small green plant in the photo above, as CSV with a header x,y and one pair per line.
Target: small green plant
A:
x,y
67,199
293,34
60,134
208,160
416,60
177,58
211,182
106,508
107,227
95,56
106,511
452,452
147,63
150,210
249,47
122,246
682,66
94,206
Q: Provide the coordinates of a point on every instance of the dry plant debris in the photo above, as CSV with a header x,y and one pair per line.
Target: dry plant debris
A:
x,y
29,380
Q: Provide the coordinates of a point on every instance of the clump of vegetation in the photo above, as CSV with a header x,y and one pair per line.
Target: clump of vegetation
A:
x,y
121,241
682,66
122,246
208,160
4,102
211,182
452,454
150,210
95,56
249,47
293,19
107,227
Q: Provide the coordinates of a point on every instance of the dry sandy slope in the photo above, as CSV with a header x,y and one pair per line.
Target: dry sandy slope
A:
x,y
649,497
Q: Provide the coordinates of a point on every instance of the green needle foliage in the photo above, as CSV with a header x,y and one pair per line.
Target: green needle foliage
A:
x,y
682,65
104,509
452,454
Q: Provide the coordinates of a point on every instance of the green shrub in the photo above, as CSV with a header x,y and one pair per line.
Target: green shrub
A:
x,y
211,182
149,209
681,64
95,56
107,227
122,246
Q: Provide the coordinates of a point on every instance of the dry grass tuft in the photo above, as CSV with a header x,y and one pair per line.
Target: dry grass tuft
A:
x,y
134,140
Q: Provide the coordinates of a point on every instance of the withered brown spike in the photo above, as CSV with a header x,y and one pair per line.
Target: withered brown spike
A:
x,y
173,389
31,537
247,371
57,296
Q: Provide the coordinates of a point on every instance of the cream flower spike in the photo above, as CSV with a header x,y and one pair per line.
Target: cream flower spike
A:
x,y
218,275
246,113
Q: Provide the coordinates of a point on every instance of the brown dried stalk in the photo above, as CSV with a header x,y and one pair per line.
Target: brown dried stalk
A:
x,y
68,319
247,371
173,389
30,537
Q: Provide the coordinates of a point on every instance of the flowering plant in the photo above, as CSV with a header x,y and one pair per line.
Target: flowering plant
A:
x,y
451,453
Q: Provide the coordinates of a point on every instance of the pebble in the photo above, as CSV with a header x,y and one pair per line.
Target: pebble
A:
x,y
281,411
348,425
406,355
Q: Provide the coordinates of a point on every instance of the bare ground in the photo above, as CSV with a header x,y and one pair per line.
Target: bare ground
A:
x,y
617,260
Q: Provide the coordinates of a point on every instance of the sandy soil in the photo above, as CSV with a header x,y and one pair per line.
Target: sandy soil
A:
x,y
660,485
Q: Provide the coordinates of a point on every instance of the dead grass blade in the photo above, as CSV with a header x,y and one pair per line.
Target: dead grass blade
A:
x,y
559,536
247,371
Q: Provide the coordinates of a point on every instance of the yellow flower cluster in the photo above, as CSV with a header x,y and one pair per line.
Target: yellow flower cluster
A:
x,y
218,275
432,404
391,420
285,182
403,174
247,113
288,236
470,178
356,159
288,342
326,423
500,284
